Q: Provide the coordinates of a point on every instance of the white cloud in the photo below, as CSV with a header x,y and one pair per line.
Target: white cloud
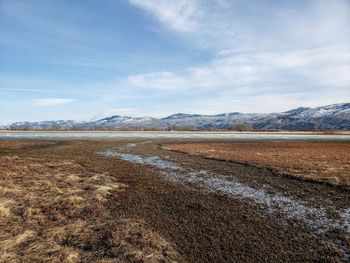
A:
x,y
179,15
52,101
257,25
263,52
164,81
283,70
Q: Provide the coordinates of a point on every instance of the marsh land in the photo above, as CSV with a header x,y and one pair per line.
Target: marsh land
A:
x,y
174,200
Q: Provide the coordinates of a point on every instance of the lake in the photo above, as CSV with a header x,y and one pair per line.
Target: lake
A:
x,y
169,135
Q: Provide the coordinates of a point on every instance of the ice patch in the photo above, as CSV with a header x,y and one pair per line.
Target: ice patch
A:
x,y
130,145
315,218
150,160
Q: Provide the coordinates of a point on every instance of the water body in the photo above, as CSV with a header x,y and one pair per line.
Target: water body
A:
x,y
169,135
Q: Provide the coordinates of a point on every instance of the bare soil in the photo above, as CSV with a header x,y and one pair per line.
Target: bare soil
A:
x,y
66,203
324,162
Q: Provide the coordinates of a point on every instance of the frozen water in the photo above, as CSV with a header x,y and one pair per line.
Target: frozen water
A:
x,y
170,135
316,218
151,160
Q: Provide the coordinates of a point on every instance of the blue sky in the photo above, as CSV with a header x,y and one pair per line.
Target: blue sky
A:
x,y
90,59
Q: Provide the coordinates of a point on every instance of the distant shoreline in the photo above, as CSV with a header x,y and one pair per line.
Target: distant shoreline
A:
x,y
190,132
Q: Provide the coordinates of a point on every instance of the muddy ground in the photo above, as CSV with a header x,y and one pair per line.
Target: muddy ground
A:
x,y
134,201
319,161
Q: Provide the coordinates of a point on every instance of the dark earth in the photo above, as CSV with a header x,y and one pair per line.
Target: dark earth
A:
x,y
225,212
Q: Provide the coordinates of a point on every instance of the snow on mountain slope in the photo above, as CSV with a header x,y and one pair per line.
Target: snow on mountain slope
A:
x,y
335,116
329,110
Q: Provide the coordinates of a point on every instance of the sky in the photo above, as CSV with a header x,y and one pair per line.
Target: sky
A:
x,y
88,59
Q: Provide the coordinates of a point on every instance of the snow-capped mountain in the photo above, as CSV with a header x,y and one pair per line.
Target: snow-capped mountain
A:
x,y
325,111
330,117
45,125
124,122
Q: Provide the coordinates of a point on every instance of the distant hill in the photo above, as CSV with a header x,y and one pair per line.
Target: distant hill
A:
x,y
330,117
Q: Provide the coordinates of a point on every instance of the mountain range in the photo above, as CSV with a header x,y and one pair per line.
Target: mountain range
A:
x,y
330,117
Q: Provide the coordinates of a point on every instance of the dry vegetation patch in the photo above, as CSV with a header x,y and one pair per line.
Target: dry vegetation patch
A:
x,y
325,162
57,211
11,145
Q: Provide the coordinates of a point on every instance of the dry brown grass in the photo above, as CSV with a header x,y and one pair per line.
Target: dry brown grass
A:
x,y
56,211
325,162
11,145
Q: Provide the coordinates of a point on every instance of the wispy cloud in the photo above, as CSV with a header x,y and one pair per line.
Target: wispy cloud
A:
x,y
52,101
263,51
255,25
180,15
285,71
22,90
157,57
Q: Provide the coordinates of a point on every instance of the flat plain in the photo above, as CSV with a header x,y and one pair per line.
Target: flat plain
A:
x,y
318,161
141,200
